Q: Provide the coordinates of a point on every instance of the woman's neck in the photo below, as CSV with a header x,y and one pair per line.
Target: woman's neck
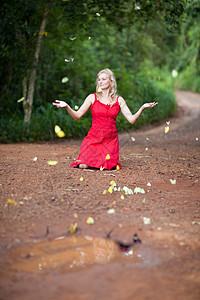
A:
x,y
105,93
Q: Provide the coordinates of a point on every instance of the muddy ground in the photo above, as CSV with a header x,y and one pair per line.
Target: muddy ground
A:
x,y
45,200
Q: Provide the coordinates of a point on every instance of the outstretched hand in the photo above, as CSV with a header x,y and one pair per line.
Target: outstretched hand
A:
x,y
150,105
59,103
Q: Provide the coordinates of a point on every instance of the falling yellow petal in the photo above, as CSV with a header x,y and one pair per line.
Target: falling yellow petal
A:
x,y
81,179
61,134
108,156
166,129
110,190
104,192
52,162
57,129
118,168
21,99
65,79
12,202
122,197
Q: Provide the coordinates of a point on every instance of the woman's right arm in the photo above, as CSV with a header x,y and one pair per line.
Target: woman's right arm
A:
x,y
81,111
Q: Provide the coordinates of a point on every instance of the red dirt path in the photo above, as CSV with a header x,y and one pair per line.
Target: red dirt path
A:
x,y
48,196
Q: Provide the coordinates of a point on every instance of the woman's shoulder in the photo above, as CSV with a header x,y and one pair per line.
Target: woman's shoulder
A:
x,y
120,99
91,98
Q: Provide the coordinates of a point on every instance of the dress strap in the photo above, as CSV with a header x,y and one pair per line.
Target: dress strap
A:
x,y
118,98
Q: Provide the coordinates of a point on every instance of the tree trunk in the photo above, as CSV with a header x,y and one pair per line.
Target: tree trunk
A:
x,y
28,87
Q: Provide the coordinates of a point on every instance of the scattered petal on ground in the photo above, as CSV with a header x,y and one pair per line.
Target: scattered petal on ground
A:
x,y
81,179
139,190
12,202
35,158
73,228
173,181
90,220
133,139
52,162
104,192
110,190
122,197
111,211
146,220
148,184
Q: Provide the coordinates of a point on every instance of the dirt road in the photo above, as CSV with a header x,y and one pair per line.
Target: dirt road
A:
x,y
39,202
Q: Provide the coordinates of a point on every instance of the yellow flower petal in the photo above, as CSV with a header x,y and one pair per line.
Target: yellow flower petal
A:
x,y
122,197
75,215
166,129
104,192
73,228
52,162
110,190
12,202
90,220
57,129
112,182
61,134
81,179
118,168
108,156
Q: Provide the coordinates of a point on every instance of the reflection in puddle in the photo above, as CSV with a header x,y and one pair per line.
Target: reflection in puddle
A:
x,y
72,253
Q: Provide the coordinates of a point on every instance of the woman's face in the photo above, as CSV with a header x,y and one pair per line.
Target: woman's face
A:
x,y
103,81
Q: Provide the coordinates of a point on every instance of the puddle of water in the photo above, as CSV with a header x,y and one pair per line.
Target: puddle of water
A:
x,y
66,254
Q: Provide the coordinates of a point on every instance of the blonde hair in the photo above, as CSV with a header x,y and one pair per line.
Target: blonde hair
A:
x,y
113,84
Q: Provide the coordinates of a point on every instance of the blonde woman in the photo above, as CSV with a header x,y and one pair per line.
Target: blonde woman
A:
x,y
100,148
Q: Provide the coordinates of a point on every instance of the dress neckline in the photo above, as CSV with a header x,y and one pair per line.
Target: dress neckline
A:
x,y
106,104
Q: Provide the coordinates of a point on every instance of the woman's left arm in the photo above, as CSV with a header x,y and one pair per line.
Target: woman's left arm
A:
x,y
127,113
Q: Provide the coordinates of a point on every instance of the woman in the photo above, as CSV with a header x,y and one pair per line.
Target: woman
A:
x,y
100,148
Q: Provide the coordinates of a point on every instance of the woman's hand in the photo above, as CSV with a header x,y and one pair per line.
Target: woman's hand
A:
x,y
60,104
149,105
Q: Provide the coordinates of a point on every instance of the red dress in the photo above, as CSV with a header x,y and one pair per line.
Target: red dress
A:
x,y
100,148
